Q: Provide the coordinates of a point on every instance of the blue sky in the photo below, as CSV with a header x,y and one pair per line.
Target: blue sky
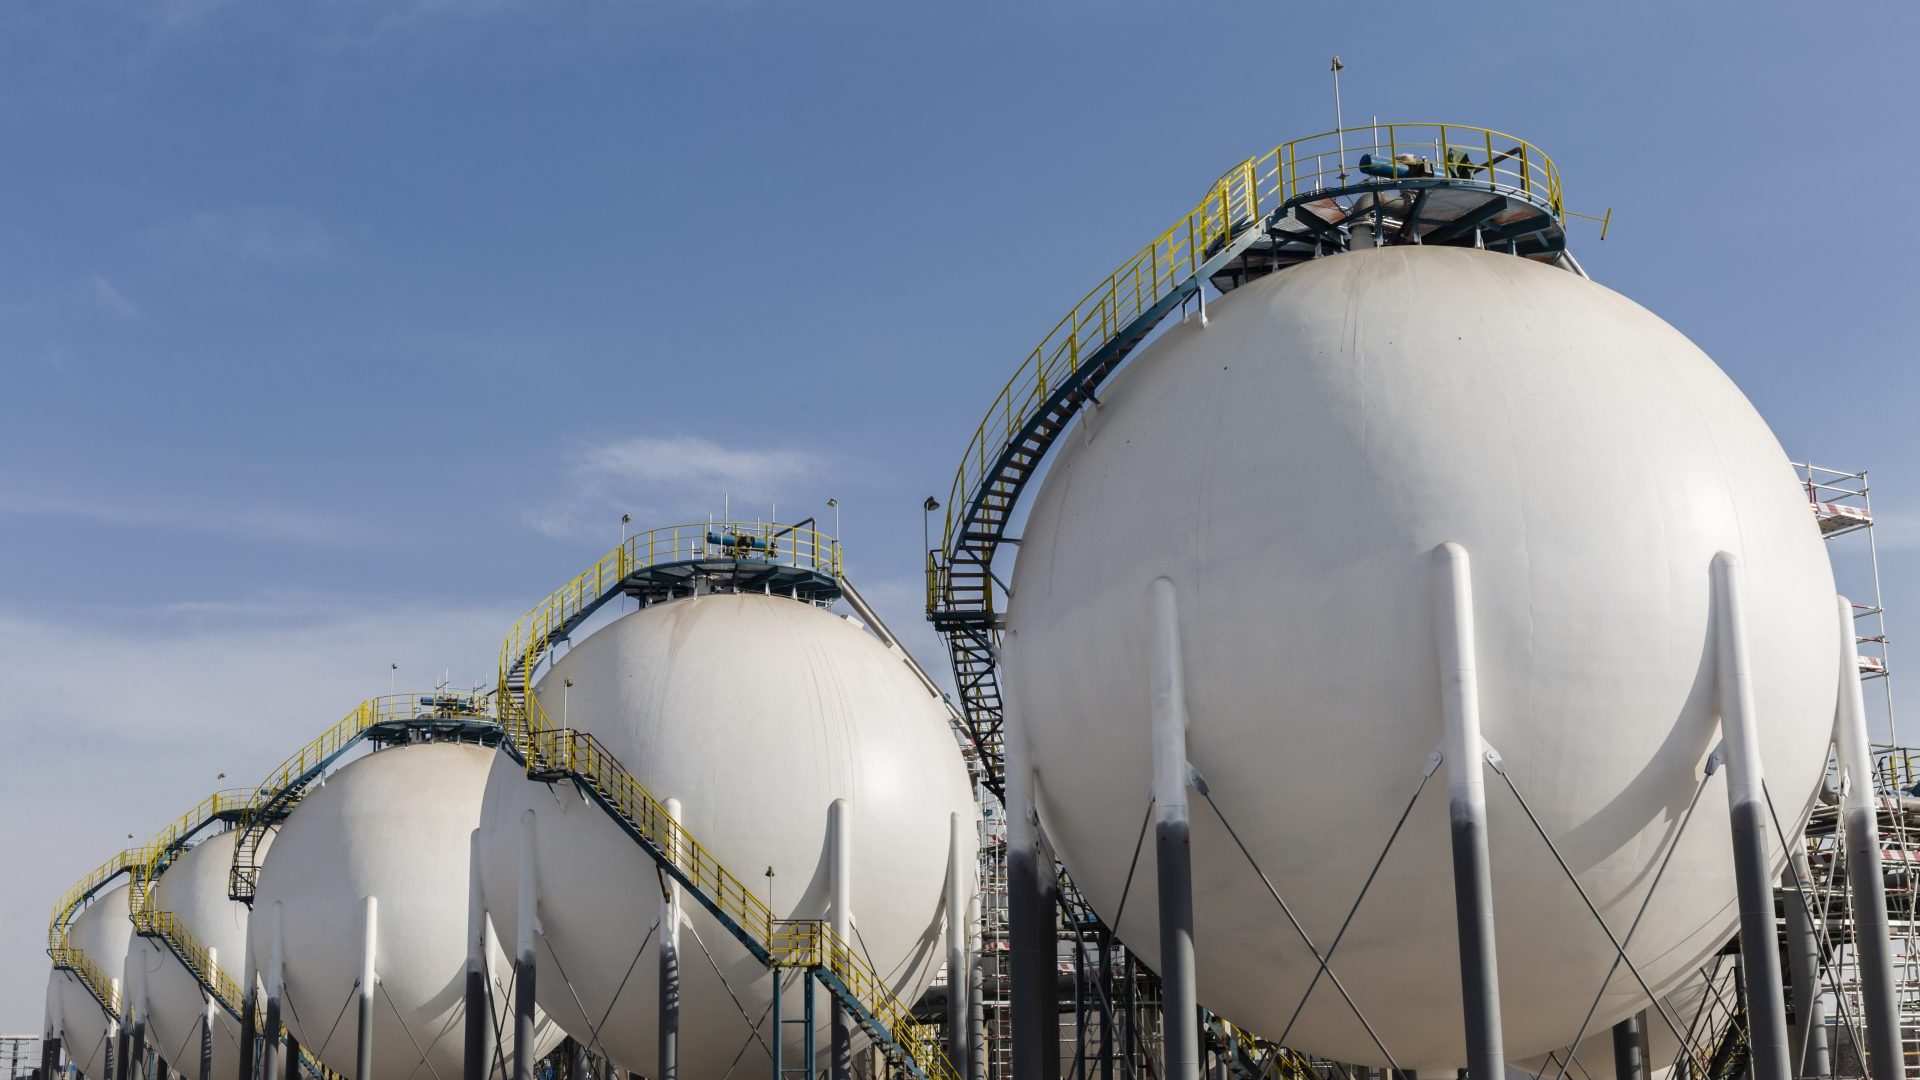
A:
x,y
335,335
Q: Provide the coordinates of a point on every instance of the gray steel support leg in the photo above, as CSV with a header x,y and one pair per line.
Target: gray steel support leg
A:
x,y
1627,1064
369,980
669,955
840,899
1179,1002
1030,925
249,1020
1465,755
1746,800
206,1042
479,1010
270,1057
293,1058
116,1040
961,852
137,1048
1866,880
1808,1035
524,958
276,988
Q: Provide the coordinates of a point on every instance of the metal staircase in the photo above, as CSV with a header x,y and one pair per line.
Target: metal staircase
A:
x,y
394,718
164,926
670,562
70,957
1393,183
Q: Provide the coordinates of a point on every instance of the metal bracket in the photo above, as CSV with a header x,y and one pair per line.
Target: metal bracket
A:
x,y
1195,780
1716,759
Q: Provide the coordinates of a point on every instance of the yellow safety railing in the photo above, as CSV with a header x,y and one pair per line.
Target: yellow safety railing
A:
x,y
60,946
545,747
379,710
196,956
811,943
791,943
530,638
1463,155
146,867
69,901
76,960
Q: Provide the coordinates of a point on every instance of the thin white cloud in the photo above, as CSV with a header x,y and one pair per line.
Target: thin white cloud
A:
x,y
118,719
267,236
256,521
679,476
112,300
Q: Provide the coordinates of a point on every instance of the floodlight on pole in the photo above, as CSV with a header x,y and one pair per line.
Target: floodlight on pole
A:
x,y
1339,127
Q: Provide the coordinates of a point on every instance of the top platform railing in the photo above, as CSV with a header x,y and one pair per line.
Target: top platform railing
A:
x,y
764,543
1326,165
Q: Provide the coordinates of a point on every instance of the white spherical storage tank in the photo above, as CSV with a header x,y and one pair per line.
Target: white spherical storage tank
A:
x,y
194,890
1291,469
757,713
104,932
396,825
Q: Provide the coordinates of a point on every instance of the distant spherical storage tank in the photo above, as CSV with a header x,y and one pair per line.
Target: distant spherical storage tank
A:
x,y
194,890
104,932
395,825
1291,468
756,712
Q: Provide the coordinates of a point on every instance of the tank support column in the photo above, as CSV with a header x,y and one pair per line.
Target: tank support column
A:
x,y
369,978
136,1014
276,985
1746,801
116,1067
524,955
1626,1050
479,1010
249,1021
1179,1004
840,899
670,966
959,891
975,1067
206,1023
1030,905
293,1057
1465,753
1808,1036
1865,879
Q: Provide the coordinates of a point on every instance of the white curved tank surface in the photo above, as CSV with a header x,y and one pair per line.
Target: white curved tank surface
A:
x,y
396,825
194,890
103,931
757,712
1291,468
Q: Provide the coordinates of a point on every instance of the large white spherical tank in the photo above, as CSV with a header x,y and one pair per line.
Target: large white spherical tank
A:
x,y
103,931
757,712
194,890
396,825
1291,468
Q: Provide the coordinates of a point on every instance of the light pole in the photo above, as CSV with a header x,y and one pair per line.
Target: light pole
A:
x,y
393,677
834,505
625,520
1339,127
566,700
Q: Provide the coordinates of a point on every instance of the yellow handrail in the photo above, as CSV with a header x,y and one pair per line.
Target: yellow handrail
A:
x,y
60,946
1464,154
811,943
147,859
379,710
531,637
791,943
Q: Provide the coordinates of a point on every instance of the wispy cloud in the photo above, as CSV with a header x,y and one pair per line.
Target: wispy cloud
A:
x,y
122,720
274,237
257,521
112,300
673,476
